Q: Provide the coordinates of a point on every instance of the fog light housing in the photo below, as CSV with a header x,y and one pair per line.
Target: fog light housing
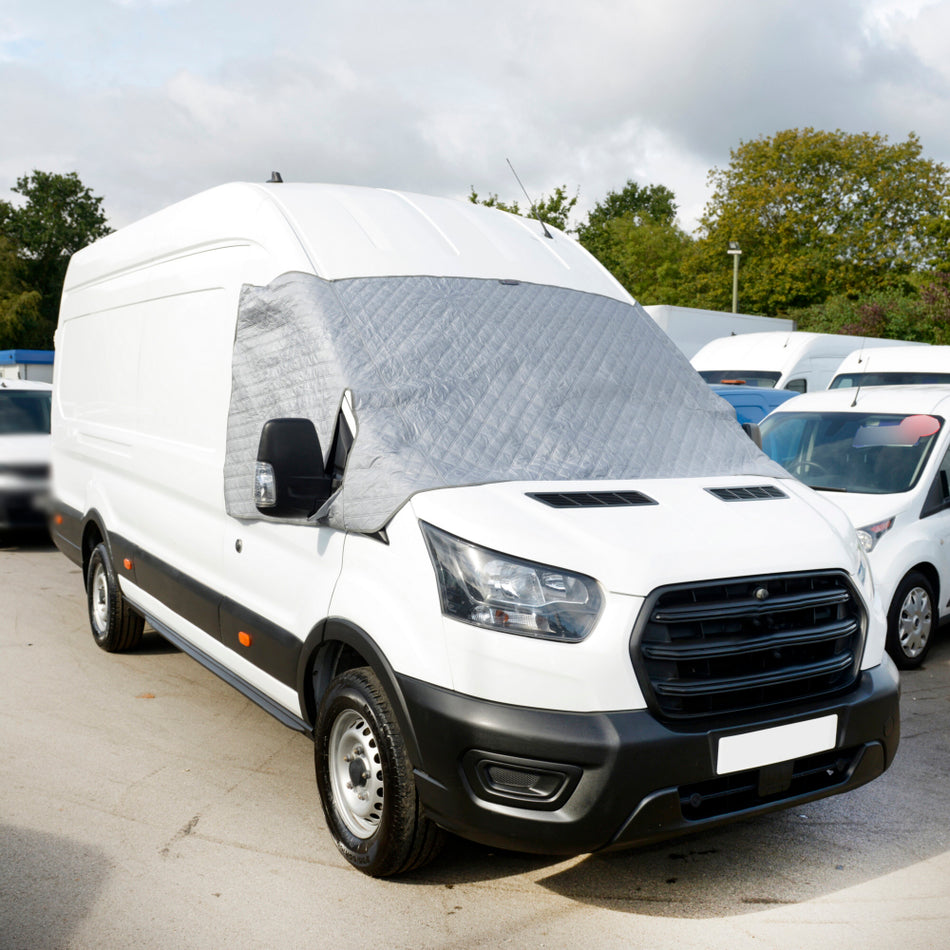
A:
x,y
525,783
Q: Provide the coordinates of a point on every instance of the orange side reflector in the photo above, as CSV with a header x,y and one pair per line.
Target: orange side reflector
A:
x,y
244,638
127,564
58,519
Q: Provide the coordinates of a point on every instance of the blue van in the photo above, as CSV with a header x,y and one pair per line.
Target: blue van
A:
x,y
751,403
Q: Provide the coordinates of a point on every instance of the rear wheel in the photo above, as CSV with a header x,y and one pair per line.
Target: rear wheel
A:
x,y
115,625
366,783
911,621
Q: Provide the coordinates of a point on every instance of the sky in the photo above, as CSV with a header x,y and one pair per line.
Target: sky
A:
x,y
150,101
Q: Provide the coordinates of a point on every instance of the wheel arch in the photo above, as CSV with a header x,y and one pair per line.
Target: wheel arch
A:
x,y
334,646
93,533
933,576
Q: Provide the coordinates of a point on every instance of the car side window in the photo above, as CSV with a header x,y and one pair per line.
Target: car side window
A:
x,y
938,497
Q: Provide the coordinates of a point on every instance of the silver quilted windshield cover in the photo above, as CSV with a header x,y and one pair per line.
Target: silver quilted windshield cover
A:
x,y
460,381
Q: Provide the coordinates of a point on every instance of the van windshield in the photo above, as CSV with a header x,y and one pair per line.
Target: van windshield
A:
x,y
24,411
748,377
870,453
906,378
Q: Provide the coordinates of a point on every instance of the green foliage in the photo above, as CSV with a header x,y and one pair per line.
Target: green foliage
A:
x,y
553,209
633,233
820,215
60,216
923,315
19,306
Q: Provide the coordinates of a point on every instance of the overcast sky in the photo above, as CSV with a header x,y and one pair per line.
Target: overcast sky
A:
x,y
150,101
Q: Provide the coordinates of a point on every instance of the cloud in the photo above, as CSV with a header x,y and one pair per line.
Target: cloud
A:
x,y
150,101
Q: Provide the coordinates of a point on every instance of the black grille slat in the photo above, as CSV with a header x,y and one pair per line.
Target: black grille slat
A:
x,y
755,681
598,499
679,652
750,606
717,648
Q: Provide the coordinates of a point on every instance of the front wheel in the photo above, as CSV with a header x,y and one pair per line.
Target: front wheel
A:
x,y
911,621
115,625
365,779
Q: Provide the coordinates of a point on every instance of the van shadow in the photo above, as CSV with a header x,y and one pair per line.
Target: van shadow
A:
x,y
48,885
789,857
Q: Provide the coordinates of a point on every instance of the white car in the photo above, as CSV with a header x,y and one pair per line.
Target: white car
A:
x,y
24,452
882,454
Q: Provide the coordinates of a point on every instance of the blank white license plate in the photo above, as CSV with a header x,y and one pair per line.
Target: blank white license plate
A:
x,y
778,744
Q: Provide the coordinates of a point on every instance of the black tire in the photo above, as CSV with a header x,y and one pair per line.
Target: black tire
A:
x,y
115,625
366,784
911,621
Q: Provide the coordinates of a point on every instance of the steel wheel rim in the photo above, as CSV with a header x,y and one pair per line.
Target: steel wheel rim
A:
x,y
100,601
356,773
915,621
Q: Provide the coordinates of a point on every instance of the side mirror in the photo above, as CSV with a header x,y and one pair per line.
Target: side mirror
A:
x,y
290,480
752,431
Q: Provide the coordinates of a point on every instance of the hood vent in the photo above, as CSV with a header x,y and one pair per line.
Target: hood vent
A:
x,y
592,499
754,493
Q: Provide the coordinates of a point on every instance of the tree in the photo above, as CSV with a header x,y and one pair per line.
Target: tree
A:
x,y
60,216
818,215
633,233
552,209
19,306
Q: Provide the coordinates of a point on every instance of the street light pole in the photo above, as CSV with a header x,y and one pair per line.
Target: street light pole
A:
x,y
734,251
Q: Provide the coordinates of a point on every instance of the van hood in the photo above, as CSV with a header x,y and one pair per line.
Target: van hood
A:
x,y
863,509
684,532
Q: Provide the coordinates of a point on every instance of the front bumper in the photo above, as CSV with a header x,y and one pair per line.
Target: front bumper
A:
x,y
23,507
571,783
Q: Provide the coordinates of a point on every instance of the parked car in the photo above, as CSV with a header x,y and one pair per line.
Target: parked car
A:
x,y
24,452
751,403
883,455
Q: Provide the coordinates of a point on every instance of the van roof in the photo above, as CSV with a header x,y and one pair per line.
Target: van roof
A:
x,y
897,399
747,350
343,231
919,356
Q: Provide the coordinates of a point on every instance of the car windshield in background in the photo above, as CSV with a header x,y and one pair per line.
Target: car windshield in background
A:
x,y
907,378
747,377
871,453
24,411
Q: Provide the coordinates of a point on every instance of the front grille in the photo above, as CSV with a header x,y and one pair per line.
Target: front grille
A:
x,y
731,646
37,472
730,794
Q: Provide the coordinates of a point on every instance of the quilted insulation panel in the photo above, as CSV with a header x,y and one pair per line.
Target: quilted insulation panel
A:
x,y
461,381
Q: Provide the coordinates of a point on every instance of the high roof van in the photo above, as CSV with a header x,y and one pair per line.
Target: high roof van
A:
x,y
893,366
800,361
421,480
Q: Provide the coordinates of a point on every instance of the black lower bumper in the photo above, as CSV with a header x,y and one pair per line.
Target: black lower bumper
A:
x,y
571,783
23,509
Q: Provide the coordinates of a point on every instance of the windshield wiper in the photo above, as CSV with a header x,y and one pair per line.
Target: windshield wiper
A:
x,y
826,488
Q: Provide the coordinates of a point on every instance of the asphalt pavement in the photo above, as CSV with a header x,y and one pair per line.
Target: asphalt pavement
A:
x,y
144,803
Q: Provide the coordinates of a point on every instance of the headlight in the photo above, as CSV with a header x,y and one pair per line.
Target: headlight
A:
x,y
865,577
870,534
492,590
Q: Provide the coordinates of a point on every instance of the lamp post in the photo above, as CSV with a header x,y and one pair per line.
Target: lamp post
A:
x,y
734,251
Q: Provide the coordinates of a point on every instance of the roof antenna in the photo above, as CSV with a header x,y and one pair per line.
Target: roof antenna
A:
x,y
531,204
867,361
275,178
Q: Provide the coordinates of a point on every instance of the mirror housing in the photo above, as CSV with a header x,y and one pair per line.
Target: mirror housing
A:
x,y
290,480
752,431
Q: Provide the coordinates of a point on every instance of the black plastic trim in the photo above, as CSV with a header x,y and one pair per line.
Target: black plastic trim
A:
x,y
631,768
232,679
592,499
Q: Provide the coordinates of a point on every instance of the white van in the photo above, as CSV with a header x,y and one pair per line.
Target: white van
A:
x,y
426,484
800,361
894,366
24,453
883,455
